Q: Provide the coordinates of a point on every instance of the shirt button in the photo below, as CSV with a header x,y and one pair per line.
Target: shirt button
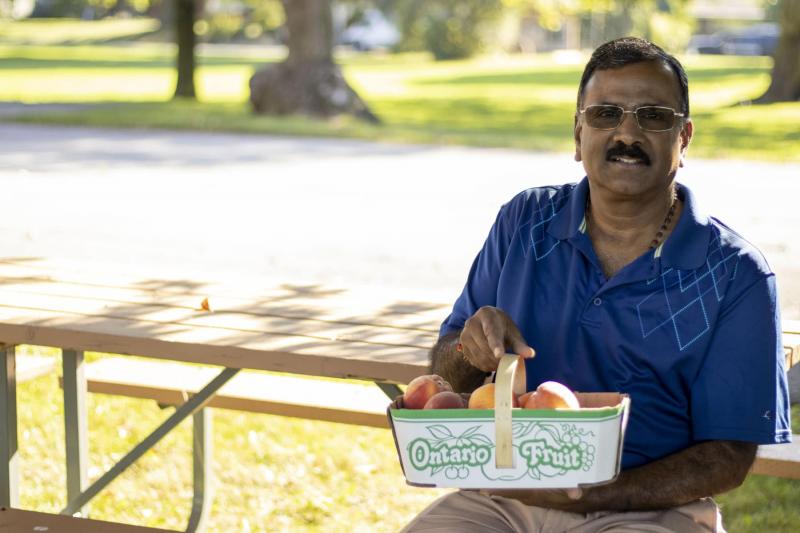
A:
x,y
597,301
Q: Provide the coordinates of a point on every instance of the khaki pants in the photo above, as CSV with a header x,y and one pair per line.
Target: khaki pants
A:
x,y
473,512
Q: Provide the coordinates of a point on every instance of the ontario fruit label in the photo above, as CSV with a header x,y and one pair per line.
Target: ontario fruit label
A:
x,y
542,450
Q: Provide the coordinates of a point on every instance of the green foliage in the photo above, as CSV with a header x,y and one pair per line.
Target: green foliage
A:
x,y
240,20
666,22
98,9
449,29
551,13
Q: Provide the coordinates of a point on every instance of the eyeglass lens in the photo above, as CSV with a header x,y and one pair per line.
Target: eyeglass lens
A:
x,y
651,118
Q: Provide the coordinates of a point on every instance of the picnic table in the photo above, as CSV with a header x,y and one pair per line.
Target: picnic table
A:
x,y
365,334
294,329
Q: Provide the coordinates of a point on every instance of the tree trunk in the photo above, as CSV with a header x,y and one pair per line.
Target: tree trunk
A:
x,y
308,82
785,85
185,16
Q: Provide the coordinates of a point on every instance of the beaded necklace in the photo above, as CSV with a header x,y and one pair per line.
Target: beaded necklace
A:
x,y
667,220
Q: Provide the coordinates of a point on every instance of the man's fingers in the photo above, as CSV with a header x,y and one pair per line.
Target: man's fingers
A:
x,y
521,348
495,332
495,344
477,352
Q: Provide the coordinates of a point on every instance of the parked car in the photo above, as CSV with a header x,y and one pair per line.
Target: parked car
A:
x,y
373,31
756,40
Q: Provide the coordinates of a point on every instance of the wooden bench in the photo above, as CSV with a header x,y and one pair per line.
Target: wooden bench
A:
x,y
171,383
779,460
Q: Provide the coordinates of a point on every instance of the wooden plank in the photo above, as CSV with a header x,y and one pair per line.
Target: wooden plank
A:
x,y
246,321
19,521
779,460
367,305
172,383
212,346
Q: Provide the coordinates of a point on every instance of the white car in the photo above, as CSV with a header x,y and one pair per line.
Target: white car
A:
x,y
373,31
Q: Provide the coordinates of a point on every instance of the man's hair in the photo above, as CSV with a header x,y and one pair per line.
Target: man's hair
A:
x,y
627,51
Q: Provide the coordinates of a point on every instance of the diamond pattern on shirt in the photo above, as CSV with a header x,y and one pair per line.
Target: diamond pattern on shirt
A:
x,y
681,299
541,242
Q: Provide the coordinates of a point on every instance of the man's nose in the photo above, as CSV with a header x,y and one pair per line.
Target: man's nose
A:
x,y
628,130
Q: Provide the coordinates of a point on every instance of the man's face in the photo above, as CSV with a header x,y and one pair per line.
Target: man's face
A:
x,y
627,160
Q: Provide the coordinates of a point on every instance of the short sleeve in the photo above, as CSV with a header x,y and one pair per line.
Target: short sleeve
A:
x,y
482,281
741,392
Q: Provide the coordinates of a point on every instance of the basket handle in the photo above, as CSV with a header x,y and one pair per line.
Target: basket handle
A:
x,y
503,392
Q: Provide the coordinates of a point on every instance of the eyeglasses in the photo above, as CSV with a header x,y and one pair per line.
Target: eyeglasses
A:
x,y
649,118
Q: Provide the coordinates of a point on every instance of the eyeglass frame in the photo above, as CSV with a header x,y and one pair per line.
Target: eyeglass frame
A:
x,y
633,112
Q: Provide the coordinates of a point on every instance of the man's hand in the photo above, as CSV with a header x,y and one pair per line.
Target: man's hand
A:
x,y
487,335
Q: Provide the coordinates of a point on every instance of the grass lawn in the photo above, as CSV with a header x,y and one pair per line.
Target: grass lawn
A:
x,y
272,473
499,101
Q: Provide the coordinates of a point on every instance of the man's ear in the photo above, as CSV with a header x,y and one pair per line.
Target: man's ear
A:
x,y
577,127
685,138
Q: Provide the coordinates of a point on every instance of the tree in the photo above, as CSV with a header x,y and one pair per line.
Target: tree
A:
x,y
668,23
309,81
785,84
449,29
185,17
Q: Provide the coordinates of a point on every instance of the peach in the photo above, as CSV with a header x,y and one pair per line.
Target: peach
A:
x,y
552,395
523,399
483,398
422,388
445,400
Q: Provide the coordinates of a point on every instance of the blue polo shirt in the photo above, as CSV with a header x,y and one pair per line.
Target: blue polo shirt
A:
x,y
691,330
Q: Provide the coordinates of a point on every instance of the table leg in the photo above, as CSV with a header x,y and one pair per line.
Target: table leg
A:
x,y
9,458
195,403
75,424
201,470
390,389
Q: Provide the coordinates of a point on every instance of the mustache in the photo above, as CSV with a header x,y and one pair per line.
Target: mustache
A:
x,y
621,149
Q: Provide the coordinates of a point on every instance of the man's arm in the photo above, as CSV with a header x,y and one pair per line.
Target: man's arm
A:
x,y
486,336
449,363
699,471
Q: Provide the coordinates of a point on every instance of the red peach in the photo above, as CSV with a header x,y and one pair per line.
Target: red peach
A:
x,y
552,395
445,400
422,388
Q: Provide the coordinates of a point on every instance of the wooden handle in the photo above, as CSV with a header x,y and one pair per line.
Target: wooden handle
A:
x,y
504,380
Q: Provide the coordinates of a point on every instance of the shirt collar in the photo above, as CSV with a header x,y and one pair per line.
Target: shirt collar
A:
x,y
570,218
687,246
685,249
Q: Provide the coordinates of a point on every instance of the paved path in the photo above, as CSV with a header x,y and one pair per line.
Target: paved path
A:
x,y
331,211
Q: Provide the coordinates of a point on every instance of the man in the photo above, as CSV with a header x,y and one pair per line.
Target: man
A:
x,y
620,283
